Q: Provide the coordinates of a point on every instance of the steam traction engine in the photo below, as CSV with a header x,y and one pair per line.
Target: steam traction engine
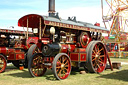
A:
x,y
68,43
12,48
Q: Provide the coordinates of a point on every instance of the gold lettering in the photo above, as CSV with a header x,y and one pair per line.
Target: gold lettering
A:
x,y
57,24
67,26
60,24
49,23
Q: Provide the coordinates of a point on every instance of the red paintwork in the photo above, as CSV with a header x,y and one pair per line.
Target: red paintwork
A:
x,y
72,47
81,50
64,48
19,56
33,21
16,56
11,56
78,56
32,40
16,32
12,53
97,24
85,38
3,50
82,56
74,56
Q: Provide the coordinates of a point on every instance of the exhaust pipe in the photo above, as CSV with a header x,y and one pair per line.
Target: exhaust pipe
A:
x,y
51,8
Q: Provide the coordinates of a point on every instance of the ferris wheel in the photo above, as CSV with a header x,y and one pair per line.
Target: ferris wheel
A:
x,y
115,16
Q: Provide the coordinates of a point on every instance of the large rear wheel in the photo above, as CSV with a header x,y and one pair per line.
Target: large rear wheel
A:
x,y
3,63
36,65
61,66
96,57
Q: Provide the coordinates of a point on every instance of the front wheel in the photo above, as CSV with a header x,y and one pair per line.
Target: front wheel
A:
x,y
3,63
36,65
61,66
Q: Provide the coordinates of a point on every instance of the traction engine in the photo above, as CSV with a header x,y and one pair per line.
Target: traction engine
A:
x,y
64,44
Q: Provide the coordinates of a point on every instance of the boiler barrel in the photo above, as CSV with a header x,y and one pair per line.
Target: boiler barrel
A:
x,y
55,48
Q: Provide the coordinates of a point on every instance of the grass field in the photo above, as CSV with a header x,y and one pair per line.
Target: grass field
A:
x,y
13,76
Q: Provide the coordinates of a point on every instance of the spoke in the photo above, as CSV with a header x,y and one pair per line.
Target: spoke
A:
x,y
102,56
98,66
94,52
57,70
95,48
65,69
100,49
38,50
94,64
100,59
66,66
59,61
64,59
93,55
66,62
35,51
59,74
58,67
93,59
100,62
64,72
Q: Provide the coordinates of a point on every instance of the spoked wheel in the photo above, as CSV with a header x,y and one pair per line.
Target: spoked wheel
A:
x,y
3,63
32,50
96,57
61,66
36,65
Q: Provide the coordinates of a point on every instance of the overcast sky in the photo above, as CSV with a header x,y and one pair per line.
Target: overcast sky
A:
x,y
84,10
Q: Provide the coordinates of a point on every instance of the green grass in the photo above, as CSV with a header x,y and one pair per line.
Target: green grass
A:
x,y
13,76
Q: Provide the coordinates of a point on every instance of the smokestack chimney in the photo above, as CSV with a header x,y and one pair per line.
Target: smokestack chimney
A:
x,y
51,8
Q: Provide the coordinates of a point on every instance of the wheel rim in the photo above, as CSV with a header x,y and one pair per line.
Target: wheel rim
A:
x,y
99,57
63,67
37,66
2,63
36,50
